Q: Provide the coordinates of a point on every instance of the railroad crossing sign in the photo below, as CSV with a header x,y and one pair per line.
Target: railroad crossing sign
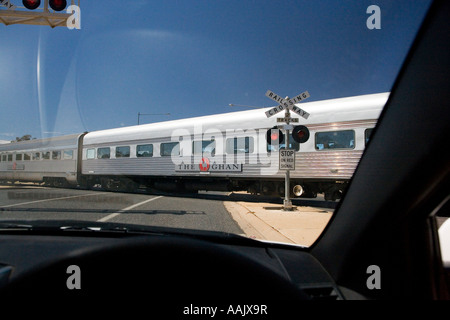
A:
x,y
287,156
7,4
288,103
287,160
287,119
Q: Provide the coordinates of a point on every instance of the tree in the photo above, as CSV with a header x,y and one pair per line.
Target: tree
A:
x,y
23,138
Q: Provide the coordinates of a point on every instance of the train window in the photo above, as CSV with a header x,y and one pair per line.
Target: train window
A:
x,y
239,145
27,156
367,134
103,153
3,157
144,150
204,146
170,148
36,156
46,155
9,157
19,157
90,153
344,139
123,152
68,154
56,155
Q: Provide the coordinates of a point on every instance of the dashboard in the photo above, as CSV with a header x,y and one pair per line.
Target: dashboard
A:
x,y
165,269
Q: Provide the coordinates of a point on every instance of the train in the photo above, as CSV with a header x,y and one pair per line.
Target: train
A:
x,y
235,151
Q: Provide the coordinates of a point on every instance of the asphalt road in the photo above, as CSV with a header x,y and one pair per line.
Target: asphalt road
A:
x,y
204,211
39,203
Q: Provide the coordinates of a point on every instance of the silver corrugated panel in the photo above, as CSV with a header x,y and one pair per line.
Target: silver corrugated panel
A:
x,y
130,166
326,164
343,125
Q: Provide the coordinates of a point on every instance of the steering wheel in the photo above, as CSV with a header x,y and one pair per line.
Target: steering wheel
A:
x,y
164,271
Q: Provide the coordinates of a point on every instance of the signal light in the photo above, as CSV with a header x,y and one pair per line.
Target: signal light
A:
x,y
31,4
300,134
58,5
274,136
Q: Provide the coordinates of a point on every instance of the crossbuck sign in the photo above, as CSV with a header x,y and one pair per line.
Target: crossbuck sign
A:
x,y
287,103
287,156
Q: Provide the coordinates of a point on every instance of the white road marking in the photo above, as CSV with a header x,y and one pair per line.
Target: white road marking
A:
x,y
112,215
44,200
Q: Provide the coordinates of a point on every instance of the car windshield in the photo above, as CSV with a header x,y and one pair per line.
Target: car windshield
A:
x,y
239,117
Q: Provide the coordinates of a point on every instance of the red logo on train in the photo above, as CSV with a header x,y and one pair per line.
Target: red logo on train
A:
x,y
204,165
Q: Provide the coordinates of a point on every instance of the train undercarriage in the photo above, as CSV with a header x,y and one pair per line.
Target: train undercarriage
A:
x,y
332,190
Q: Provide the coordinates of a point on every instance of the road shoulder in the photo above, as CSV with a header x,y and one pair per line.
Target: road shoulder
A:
x,y
267,221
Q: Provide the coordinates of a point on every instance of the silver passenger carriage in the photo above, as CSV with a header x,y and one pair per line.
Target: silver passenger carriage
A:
x,y
230,151
52,161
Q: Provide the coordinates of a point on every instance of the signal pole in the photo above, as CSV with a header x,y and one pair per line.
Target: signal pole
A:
x,y
287,203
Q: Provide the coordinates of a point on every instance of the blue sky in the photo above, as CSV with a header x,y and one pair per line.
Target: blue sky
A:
x,y
193,58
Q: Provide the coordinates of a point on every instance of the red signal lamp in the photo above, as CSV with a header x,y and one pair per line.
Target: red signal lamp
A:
x,y
300,134
58,5
31,4
274,136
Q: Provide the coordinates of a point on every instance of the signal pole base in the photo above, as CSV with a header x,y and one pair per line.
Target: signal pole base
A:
x,y
287,205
